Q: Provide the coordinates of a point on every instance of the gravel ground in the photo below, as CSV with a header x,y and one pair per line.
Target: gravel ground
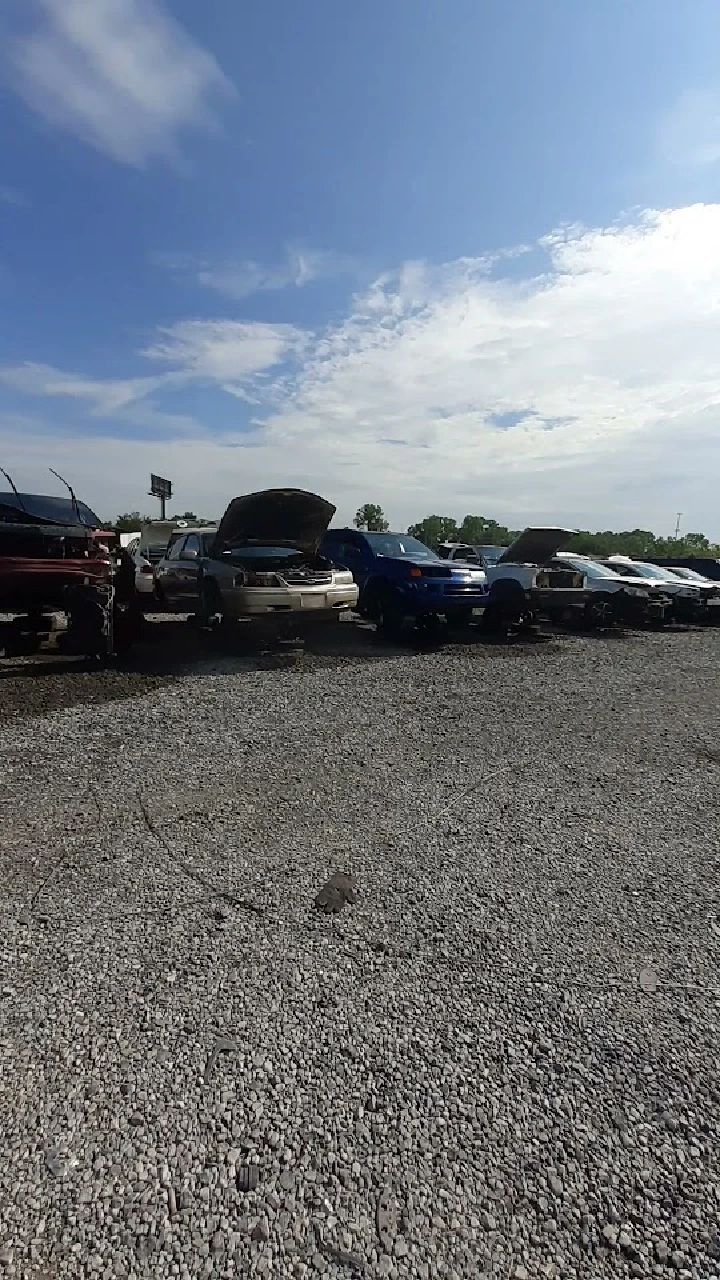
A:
x,y
499,1060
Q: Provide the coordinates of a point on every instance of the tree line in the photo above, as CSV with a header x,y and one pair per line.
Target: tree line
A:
x,y
480,530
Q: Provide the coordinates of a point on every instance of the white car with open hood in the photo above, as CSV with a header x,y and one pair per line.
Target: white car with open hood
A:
x,y
260,564
522,584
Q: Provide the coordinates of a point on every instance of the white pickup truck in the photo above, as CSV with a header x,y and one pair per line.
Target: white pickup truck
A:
x,y
521,585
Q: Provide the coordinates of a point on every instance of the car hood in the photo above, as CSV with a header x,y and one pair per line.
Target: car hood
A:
x,y
276,517
536,546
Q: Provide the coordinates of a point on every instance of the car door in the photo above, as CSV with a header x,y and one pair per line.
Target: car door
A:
x,y
351,550
168,574
188,573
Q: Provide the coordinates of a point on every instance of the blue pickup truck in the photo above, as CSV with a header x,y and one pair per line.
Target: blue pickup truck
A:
x,y
402,581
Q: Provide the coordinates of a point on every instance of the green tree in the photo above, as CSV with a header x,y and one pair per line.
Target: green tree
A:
x,y
435,529
187,515
478,530
131,522
371,517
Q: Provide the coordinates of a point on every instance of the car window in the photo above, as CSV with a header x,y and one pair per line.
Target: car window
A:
x,y
192,543
176,546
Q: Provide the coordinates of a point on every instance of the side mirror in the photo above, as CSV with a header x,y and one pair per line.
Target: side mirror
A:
x,y
188,555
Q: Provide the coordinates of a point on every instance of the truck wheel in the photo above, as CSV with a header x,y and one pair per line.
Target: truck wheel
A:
x,y
600,611
210,602
389,614
506,607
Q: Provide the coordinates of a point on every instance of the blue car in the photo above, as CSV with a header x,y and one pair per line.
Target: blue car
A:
x,y
402,582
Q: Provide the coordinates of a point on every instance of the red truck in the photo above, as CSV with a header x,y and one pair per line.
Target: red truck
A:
x,y
64,580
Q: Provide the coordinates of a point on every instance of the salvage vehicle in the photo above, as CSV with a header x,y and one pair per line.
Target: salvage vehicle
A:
x,y
614,597
689,603
261,565
65,582
403,583
523,586
144,579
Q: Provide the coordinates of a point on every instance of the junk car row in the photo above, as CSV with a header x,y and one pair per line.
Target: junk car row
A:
x,y
274,562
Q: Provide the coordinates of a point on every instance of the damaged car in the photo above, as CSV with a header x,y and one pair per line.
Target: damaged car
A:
x,y
260,565
65,581
523,584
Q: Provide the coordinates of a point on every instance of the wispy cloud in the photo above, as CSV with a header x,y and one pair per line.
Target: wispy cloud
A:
x,y
121,75
226,352
240,278
524,398
689,133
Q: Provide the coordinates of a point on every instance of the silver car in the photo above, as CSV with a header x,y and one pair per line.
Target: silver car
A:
x,y
260,564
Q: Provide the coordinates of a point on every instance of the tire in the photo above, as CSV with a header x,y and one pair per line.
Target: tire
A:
x,y
389,614
210,602
600,611
506,607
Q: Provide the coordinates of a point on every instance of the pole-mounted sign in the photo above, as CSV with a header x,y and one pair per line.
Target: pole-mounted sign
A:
x,y
162,489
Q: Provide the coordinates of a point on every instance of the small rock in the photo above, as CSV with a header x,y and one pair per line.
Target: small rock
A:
x,y
648,981
661,1251
400,1248
678,1260
218,1242
556,1185
136,1120
261,1230
625,1242
610,1234
338,890
488,1222
521,1272
57,1163
6,1255
385,1264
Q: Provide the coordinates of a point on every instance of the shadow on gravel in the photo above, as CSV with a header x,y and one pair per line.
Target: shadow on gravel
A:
x,y
175,648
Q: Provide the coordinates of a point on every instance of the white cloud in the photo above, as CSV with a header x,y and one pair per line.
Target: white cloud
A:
x,y
121,75
604,366
229,352
103,396
240,278
689,133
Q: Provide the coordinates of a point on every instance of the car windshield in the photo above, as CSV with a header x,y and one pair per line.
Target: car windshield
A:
x,y
688,575
491,555
590,568
399,546
652,571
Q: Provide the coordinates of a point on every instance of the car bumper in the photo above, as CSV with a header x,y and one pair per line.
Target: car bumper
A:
x,y
309,605
558,597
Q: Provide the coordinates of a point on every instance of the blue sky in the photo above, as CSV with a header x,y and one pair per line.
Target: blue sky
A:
x,y
456,257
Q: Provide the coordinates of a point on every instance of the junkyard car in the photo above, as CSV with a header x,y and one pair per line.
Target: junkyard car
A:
x,y
689,602
614,597
524,585
403,583
64,580
261,564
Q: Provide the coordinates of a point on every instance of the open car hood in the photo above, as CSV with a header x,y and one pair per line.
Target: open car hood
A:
x,y
536,546
276,517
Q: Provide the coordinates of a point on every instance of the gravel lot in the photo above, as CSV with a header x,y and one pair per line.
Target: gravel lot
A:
x,y
500,1060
